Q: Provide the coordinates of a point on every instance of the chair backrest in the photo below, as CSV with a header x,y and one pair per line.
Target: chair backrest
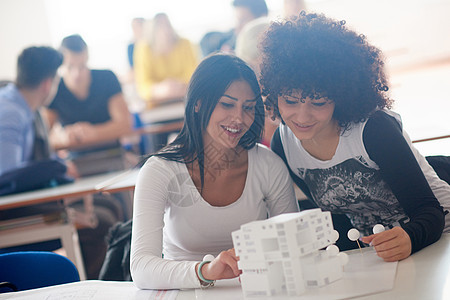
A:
x,y
34,269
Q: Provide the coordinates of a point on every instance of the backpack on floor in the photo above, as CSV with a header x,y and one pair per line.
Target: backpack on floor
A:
x,y
116,265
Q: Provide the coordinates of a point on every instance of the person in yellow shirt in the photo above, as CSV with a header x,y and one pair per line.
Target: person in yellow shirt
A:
x,y
164,62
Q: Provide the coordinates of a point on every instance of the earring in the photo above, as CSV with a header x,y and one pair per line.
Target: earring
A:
x,y
197,107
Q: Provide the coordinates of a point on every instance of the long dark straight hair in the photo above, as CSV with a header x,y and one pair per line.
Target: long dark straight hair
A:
x,y
208,84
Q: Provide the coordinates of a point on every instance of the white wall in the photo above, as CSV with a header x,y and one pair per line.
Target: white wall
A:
x,y
23,23
104,24
409,32
404,29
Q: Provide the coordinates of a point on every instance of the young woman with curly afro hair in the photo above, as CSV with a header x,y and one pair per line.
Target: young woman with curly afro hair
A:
x,y
345,149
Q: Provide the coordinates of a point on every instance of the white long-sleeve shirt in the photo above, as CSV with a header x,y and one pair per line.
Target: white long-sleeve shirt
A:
x,y
171,218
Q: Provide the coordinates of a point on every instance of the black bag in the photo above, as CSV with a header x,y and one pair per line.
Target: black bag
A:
x,y
116,265
34,175
441,165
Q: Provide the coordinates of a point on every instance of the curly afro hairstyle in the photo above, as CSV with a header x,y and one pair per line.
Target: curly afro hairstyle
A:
x,y
322,58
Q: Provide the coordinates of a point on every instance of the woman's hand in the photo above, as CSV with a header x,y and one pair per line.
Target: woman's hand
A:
x,y
224,266
391,245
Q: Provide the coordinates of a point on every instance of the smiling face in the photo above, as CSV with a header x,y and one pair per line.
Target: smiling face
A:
x,y
309,119
232,117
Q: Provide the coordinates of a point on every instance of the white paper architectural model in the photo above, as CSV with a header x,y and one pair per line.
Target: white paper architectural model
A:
x,y
281,256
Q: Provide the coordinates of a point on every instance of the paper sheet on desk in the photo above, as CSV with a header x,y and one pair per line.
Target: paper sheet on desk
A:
x,y
363,275
93,290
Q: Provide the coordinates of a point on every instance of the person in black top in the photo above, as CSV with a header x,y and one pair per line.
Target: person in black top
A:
x,y
344,147
89,103
28,162
92,110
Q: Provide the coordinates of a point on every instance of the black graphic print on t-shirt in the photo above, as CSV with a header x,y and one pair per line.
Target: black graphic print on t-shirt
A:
x,y
354,189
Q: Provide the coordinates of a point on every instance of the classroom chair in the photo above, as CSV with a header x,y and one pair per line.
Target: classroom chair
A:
x,y
34,269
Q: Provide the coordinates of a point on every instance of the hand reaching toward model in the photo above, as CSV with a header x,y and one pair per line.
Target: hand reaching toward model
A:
x,y
391,245
224,266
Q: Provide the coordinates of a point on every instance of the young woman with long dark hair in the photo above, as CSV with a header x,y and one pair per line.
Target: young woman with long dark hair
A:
x,y
210,180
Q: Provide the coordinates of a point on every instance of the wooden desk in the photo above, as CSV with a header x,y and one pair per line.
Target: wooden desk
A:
x,y
159,128
163,113
154,125
424,275
79,188
123,181
82,188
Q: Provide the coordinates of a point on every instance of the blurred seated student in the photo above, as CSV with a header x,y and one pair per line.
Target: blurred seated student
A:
x,y
163,65
23,140
90,106
137,26
345,149
210,180
244,12
35,86
163,62
20,101
247,49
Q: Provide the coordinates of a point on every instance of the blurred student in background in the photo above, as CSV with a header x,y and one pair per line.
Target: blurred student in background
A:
x,y
137,26
163,65
247,49
244,11
163,62
91,108
137,29
24,140
35,85
87,117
